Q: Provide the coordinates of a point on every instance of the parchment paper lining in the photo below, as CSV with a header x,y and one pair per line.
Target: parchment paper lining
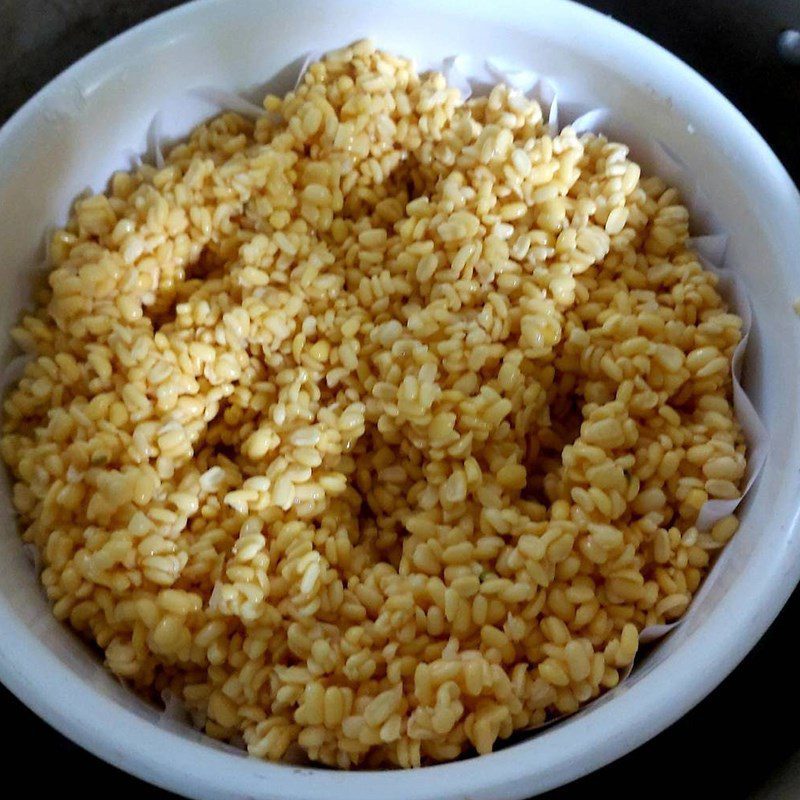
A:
x,y
475,77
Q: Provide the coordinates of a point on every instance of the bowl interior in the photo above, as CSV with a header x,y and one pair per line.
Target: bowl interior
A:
x,y
95,118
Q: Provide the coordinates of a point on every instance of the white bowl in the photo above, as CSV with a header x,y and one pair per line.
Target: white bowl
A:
x,y
86,123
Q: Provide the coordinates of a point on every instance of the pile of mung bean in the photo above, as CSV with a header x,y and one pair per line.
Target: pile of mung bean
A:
x,y
376,429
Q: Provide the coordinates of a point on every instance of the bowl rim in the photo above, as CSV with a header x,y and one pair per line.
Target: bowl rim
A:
x,y
49,688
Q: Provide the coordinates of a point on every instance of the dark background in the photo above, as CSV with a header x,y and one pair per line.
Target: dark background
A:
x,y
742,741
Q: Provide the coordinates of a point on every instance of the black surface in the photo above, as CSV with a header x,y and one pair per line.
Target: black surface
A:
x,y
733,742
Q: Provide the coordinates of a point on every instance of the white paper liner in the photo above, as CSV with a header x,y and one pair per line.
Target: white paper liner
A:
x,y
197,104
31,553
475,77
176,716
310,57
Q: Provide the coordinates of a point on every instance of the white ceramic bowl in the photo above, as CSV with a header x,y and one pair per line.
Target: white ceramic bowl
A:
x,y
88,121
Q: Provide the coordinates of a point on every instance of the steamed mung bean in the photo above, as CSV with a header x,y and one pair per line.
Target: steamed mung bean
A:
x,y
378,428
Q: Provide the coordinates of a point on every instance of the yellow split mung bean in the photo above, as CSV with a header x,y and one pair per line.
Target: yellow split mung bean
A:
x,y
376,429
